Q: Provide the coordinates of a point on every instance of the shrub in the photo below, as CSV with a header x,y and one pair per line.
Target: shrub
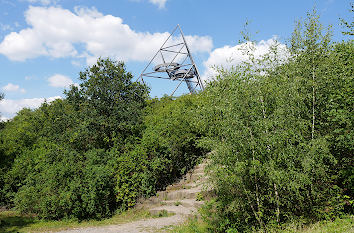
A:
x,y
276,155
65,184
63,155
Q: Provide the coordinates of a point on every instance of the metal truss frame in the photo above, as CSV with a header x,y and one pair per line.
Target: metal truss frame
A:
x,y
188,74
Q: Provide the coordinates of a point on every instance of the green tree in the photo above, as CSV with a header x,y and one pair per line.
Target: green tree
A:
x,y
18,136
167,149
3,161
109,105
268,123
170,139
349,26
337,114
64,154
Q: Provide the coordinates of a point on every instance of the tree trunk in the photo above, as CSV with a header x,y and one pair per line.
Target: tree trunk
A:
x,y
313,102
277,201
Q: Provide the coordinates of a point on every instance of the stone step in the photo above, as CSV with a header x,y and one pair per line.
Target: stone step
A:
x,y
177,191
173,210
183,202
181,185
203,164
196,177
198,174
152,201
198,170
179,194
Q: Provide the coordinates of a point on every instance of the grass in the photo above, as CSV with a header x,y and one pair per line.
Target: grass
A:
x,y
339,225
199,197
177,203
12,221
193,225
162,214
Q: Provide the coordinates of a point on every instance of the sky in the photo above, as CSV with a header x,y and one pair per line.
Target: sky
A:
x,y
44,44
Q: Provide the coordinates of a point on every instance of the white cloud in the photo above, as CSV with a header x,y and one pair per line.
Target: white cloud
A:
x,y
229,56
55,32
43,2
5,27
9,107
3,118
159,3
12,87
59,80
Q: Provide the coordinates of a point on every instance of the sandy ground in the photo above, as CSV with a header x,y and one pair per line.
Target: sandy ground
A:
x,y
147,225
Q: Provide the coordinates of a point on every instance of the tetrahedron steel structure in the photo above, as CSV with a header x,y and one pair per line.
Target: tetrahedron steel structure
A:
x,y
174,61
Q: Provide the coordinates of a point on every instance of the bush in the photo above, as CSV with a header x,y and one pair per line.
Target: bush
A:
x,y
170,139
166,151
276,141
98,150
65,184
63,155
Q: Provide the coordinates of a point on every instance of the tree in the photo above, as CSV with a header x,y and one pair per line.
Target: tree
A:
x,y
349,26
310,48
269,125
109,105
1,98
64,154
3,162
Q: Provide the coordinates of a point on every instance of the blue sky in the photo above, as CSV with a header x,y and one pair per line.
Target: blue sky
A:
x,y
44,44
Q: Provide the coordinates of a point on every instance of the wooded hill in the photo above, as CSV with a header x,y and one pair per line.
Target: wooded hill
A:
x,y
280,130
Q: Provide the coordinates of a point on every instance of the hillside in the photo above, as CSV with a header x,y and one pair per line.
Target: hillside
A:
x,y
280,127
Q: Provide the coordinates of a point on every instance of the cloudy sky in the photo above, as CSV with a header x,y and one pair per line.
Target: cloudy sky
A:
x,y
44,44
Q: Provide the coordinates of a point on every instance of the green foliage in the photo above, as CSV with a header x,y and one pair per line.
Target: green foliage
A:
x,y
17,137
279,149
167,150
108,104
280,131
343,224
349,26
170,139
199,197
65,184
62,157
129,171
5,162
98,150
337,116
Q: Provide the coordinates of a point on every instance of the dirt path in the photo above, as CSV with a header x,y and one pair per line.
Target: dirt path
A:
x,y
146,225
179,199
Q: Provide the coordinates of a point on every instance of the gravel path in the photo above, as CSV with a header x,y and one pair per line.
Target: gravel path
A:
x,y
179,199
147,225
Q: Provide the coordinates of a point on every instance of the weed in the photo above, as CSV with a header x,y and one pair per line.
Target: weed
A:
x,y
162,214
199,197
345,224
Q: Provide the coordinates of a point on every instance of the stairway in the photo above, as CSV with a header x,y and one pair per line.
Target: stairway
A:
x,y
182,198
179,200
